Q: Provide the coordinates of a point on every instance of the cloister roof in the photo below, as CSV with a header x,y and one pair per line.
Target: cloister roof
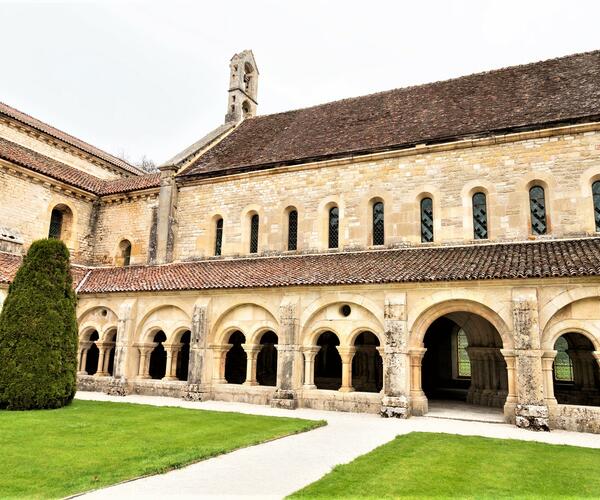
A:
x,y
563,90
42,164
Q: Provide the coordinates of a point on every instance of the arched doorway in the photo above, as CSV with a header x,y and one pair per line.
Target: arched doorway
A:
x,y
576,375
266,361
158,357
93,353
328,363
183,357
463,362
236,359
367,365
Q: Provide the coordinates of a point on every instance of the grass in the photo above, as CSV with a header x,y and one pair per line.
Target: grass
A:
x,y
421,465
88,444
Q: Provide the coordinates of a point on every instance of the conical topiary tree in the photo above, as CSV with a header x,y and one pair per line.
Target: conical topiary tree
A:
x,y
38,332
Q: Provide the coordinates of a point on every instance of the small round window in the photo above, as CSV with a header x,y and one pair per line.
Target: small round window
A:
x,y
345,310
104,312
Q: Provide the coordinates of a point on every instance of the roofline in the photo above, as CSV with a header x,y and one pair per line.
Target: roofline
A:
x,y
71,140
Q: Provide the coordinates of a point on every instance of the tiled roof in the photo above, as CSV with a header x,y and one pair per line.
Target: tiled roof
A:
x,y
24,118
564,90
9,265
564,258
27,158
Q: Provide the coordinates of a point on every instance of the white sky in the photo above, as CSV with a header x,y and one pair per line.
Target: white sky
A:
x,y
151,77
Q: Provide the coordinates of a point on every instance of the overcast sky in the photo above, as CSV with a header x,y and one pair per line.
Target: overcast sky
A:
x,y
150,78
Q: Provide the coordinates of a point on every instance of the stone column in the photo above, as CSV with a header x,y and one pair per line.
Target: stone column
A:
x,y
171,368
103,348
219,352
144,365
381,351
396,401
251,355
165,221
310,353
285,395
197,367
548,369
346,353
596,355
84,347
419,400
531,411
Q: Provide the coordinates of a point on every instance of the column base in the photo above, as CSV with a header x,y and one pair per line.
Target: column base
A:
x,y
309,387
419,404
346,389
143,377
284,399
101,374
82,372
250,382
532,417
169,379
195,392
395,407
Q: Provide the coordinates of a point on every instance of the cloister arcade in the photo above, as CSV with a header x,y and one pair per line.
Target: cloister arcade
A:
x,y
457,349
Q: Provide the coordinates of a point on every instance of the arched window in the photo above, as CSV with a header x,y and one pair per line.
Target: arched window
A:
x,y
378,224
292,243
596,197
480,219
563,366
334,227
254,222
56,222
463,363
218,236
125,251
537,207
426,220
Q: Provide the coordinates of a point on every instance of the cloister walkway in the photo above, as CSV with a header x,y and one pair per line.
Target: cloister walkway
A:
x,y
278,468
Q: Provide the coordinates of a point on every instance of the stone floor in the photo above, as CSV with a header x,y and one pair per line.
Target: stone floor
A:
x,y
278,468
458,410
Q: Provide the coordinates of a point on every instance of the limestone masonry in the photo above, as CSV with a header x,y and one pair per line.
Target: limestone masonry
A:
x,y
438,242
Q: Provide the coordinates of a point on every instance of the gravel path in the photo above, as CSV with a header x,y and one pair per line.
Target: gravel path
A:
x,y
278,468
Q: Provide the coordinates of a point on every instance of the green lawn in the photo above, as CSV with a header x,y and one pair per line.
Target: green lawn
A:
x,y
89,444
443,465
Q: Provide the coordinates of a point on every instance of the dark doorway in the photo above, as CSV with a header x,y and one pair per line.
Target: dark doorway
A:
x,y
91,362
328,363
183,358
266,361
158,357
367,365
236,359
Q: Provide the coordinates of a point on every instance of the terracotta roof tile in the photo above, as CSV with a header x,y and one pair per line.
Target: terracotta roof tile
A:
x,y
37,162
558,258
9,265
563,90
15,114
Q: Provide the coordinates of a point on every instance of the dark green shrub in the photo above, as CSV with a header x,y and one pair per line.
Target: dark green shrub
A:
x,y
38,332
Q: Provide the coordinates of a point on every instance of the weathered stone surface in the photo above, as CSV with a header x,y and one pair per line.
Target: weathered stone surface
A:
x,y
395,407
534,417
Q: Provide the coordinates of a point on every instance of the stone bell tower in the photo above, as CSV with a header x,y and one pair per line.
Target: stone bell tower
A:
x,y
243,87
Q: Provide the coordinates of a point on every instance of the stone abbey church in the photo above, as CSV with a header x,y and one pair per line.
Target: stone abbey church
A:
x,y
374,254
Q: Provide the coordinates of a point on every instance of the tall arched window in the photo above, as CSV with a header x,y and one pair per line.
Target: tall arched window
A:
x,y
480,219
596,197
218,236
254,222
378,224
292,243
426,220
537,207
56,222
563,366
334,227
125,251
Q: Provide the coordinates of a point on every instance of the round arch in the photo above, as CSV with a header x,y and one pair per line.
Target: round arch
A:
x,y
329,299
564,299
586,328
223,323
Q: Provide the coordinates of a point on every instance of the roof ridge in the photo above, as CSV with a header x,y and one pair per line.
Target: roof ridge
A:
x,y
425,84
68,138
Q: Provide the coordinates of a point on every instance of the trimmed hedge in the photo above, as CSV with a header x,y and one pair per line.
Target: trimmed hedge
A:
x,y
38,332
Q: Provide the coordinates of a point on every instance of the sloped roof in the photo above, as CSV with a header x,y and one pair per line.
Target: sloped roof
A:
x,y
562,90
10,263
548,259
30,121
37,162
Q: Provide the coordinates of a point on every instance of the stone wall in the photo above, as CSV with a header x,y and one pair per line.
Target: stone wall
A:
x,y
26,205
127,218
565,165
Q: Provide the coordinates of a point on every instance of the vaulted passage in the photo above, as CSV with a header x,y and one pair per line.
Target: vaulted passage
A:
x,y
576,372
328,363
236,359
367,365
158,357
266,362
463,361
